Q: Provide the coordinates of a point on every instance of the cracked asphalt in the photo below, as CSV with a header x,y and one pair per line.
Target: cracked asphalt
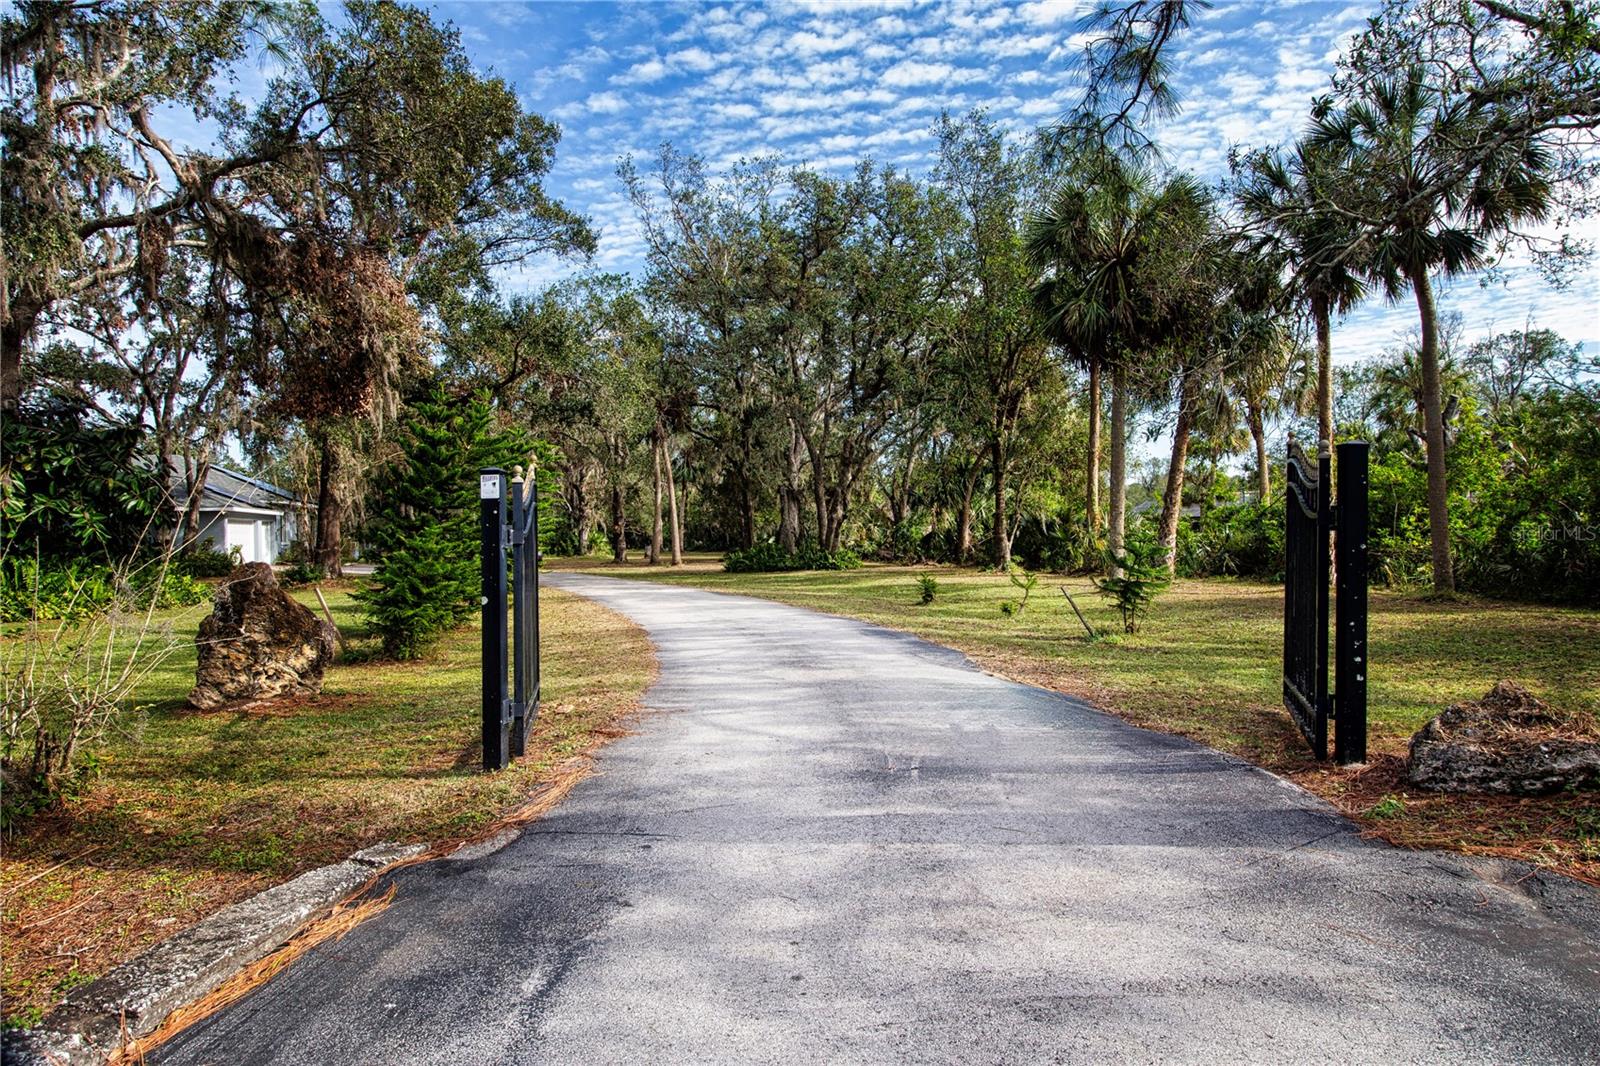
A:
x,y
833,842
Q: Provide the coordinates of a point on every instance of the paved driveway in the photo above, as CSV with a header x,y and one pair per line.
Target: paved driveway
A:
x,y
839,843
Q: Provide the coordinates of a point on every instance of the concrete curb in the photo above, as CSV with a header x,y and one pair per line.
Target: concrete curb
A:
x,y
138,995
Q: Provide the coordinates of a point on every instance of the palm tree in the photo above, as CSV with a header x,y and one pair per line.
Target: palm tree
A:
x,y
1057,239
1287,198
1088,240
1428,207
1183,279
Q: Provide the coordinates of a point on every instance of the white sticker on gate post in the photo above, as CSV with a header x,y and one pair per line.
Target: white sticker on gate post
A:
x,y
489,486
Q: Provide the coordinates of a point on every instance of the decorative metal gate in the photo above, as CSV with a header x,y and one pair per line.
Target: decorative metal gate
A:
x,y
1315,529
1305,595
509,524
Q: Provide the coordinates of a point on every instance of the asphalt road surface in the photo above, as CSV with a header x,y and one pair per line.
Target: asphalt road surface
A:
x,y
833,842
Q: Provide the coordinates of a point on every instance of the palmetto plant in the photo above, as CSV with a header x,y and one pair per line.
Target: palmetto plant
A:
x,y
1423,206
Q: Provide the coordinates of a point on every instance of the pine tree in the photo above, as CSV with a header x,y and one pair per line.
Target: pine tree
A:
x,y
1138,575
424,520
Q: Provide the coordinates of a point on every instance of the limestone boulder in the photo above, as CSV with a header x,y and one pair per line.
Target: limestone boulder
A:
x,y
1509,742
258,643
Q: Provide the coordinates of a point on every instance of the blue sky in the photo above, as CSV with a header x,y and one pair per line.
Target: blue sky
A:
x,y
828,83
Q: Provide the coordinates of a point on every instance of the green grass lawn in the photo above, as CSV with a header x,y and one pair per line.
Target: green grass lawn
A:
x,y
189,811
1206,664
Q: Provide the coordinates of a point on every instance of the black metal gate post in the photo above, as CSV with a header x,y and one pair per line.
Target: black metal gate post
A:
x,y
492,528
1350,596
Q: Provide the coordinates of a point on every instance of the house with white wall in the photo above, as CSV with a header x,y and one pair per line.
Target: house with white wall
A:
x,y
239,511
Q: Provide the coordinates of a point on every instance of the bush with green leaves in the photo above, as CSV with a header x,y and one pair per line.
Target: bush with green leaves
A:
x,y
206,562
164,587
1059,542
770,558
72,590
1137,577
900,542
73,487
31,588
927,588
301,574
423,519
1244,540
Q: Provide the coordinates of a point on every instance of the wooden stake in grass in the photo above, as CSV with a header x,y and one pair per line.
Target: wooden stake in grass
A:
x,y
1086,627
344,645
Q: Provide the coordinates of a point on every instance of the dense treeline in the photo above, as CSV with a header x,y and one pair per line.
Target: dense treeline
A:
x,y
961,364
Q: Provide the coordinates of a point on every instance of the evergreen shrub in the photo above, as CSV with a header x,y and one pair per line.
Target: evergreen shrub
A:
x,y
770,558
424,519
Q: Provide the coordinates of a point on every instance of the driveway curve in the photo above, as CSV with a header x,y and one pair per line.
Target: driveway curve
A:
x,y
835,842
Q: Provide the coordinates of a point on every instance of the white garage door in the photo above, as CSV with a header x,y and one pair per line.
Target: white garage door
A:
x,y
242,535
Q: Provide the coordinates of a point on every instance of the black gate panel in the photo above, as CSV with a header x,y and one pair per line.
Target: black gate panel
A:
x,y
1305,596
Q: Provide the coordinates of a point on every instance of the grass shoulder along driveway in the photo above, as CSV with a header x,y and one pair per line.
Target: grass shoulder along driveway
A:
x,y
190,811
1206,665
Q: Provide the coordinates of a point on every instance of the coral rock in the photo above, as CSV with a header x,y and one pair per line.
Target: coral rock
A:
x,y
258,644
1509,742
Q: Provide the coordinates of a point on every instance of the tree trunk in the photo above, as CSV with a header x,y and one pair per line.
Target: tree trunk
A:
x,y
819,489
747,499
1444,579
683,508
964,516
789,496
1258,433
1002,541
196,470
674,530
168,533
747,515
655,512
1172,499
1119,463
330,511
619,524
583,514
19,322
1092,467
1320,312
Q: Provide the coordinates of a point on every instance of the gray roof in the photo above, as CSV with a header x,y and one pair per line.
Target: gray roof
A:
x,y
1190,510
225,489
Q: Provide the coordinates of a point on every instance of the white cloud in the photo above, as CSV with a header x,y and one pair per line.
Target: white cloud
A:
x,y
910,72
606,103
1018,45
694,59
642,73
1049,12
808,43
736,112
